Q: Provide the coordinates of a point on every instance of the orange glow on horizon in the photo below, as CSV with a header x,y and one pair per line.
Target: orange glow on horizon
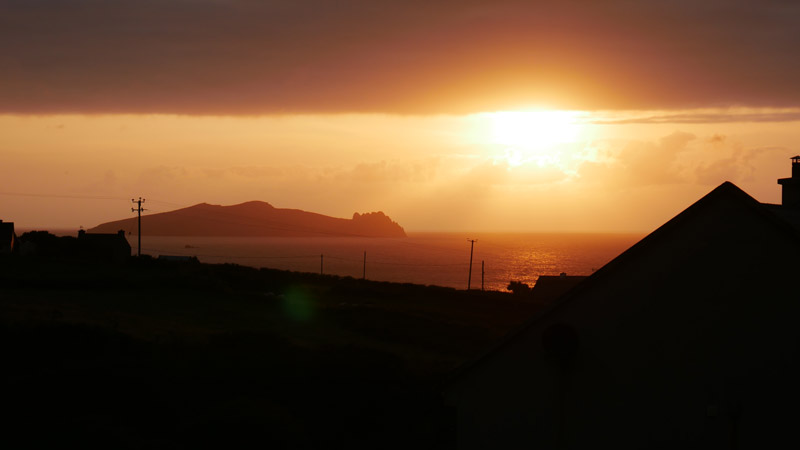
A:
x,y
514,170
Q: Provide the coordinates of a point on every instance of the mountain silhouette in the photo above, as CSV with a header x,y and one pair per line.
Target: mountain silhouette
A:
x,y
254,218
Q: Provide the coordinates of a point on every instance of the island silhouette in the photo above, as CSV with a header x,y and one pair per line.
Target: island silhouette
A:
x,y
255,219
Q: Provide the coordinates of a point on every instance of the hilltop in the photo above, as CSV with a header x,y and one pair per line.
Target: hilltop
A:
x,y
255,218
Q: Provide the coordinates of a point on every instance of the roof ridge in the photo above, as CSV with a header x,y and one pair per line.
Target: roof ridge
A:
x,y
726,188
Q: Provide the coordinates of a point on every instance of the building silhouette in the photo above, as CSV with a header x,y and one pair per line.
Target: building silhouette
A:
x,y
111,247
550,287
688,339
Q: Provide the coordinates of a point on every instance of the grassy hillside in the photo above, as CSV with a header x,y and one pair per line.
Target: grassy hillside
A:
x,y
151,353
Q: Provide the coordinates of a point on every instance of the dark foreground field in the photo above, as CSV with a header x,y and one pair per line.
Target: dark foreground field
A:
x,y
154,354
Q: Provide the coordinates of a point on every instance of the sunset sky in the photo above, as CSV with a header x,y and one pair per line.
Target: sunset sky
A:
x,y
448,116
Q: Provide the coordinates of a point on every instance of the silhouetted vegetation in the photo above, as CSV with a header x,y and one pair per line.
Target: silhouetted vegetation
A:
x,y
43,244
519,288
87,247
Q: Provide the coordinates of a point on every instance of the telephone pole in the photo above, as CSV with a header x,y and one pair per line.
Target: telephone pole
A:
x,y
364,274
320,263
483,272
139,210
471,248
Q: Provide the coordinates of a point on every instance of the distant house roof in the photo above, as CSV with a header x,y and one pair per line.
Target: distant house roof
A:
x,y
549,288
103,237
110,246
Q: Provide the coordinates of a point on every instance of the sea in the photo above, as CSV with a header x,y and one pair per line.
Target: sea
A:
x,y
441,259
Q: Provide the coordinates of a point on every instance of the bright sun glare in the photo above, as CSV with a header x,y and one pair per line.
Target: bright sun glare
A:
x,y
533,136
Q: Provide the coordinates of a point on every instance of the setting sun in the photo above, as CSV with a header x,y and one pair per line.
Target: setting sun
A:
x,y
532,135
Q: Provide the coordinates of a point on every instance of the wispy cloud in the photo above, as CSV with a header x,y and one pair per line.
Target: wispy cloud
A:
x,y
705,117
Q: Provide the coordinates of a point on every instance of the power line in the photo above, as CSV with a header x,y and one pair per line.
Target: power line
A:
x,y
76,197
339,258
176,205
299,257
417,264
150,249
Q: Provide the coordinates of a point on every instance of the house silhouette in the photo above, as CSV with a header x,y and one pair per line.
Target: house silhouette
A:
x,y
689,339
110,247
550,287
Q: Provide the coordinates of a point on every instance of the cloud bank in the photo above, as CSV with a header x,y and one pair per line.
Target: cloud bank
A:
x,y
244,57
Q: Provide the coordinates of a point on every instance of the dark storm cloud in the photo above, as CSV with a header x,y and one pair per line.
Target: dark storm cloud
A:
x,y
253,57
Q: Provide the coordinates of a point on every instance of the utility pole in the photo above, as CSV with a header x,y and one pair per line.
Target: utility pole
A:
x,y
364,274
483,272
320,263
139,210
471,248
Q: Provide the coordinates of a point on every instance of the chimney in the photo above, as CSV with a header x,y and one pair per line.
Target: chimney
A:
x,y
791,186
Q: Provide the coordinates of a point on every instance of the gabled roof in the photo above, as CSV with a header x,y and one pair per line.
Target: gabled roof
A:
x,y
781,219
104,240
103,237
